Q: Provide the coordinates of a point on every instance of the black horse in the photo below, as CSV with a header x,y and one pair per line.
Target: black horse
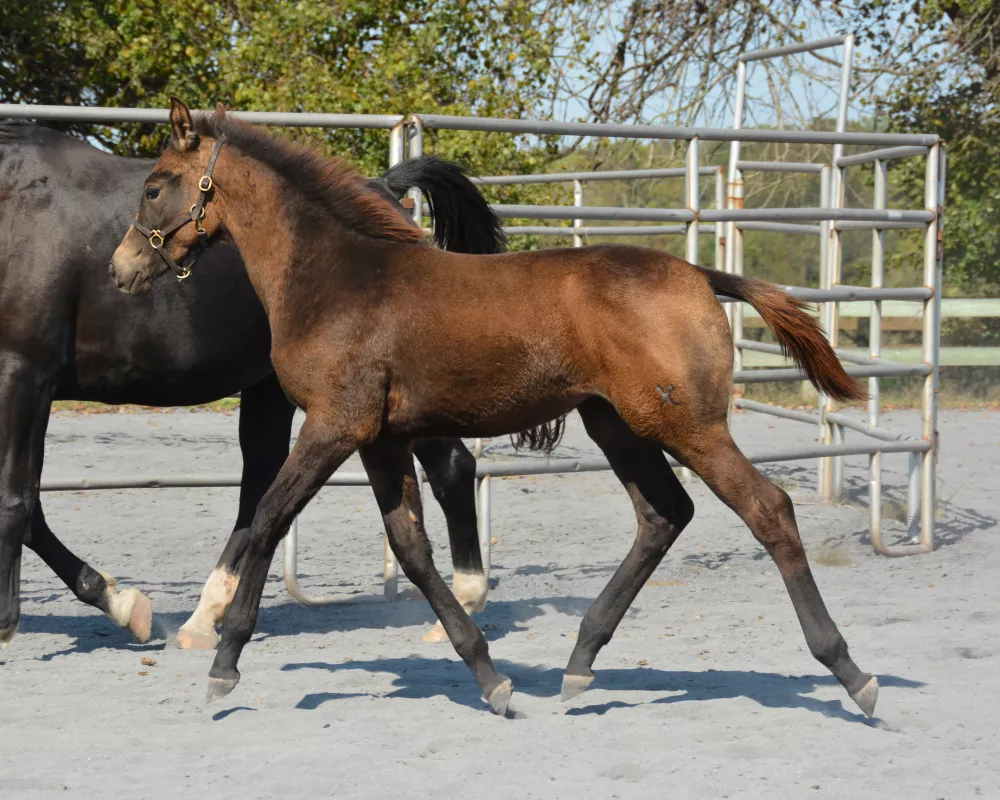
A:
x,y
66,333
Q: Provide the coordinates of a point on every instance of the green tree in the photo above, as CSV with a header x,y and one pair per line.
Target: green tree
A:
x,y
481,57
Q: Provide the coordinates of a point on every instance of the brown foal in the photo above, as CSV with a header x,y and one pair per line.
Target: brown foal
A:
x,y
382,339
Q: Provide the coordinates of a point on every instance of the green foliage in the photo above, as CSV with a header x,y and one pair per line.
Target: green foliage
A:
x,y
367,56
952,88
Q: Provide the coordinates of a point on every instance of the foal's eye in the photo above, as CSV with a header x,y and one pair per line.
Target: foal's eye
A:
x,y
152,192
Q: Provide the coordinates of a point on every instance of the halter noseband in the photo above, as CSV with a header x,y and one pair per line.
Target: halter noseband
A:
x,y
157,237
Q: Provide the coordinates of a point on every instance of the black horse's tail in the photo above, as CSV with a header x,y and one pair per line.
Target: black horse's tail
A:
x,y
464,223
463,220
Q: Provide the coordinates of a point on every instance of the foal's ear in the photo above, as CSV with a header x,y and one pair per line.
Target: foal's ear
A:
x,y
219,114
182,137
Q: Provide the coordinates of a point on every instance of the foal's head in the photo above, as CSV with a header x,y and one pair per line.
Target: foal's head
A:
x,y
176,218
179,214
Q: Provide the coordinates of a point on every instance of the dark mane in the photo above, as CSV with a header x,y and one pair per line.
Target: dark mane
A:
x,y
333,184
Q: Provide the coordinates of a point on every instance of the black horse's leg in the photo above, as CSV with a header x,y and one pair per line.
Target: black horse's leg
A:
x,y
390,470
25,397
320,449
662,508
265,430
128,608
451,472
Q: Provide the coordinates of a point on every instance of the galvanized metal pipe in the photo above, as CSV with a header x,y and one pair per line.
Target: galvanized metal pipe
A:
x,y
887,225
485,504
578,203
774,349
875,351
509,211
290,564
934,201
847,421
781,227
790,374
837,196
776,411
660,132
720,227
789,49
779,166
597,230
884,154
608,175
109,116
112,115
823,402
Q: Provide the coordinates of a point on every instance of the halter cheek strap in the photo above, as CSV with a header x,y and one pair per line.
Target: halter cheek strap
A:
x,y
157,237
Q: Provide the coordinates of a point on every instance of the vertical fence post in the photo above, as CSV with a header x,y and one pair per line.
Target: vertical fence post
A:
x,y
415,149
875,351
823,402
692,199
836,465
577,203
734,235
720,227
484,496
933,242
390,579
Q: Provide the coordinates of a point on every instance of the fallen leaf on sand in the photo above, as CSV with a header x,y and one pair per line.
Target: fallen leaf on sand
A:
x,y
149,662
143,673
644,663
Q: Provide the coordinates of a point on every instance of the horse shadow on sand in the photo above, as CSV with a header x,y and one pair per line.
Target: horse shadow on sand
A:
x,y
417,677
92,631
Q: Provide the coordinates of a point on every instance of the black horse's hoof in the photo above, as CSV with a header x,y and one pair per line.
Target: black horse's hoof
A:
x,y
572,685
499,698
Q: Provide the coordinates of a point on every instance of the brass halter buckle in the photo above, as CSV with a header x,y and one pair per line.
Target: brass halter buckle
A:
x,y
184,274
205,184
198,227
155,240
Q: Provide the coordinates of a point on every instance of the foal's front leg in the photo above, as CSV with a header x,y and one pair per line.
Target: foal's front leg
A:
x,y
390,470
321,448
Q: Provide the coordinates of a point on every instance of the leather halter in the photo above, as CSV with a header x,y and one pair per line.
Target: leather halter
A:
x,y
157,237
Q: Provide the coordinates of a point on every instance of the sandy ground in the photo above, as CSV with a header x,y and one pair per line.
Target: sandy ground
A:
x,y
707,690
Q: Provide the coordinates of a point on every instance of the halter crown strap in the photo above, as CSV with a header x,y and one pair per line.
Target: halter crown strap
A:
x,y
157,237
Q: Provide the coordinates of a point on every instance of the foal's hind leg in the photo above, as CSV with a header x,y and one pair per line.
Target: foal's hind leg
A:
x,y
768,512
451,472
662,508
265,431
390,469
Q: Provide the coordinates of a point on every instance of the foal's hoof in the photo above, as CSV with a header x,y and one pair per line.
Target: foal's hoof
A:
x,y
6,634
220,687
499,698
436,634
572,685
866,696
140,621
191,639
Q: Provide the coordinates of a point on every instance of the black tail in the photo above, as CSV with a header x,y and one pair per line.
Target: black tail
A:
x,y
463,220
464,223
